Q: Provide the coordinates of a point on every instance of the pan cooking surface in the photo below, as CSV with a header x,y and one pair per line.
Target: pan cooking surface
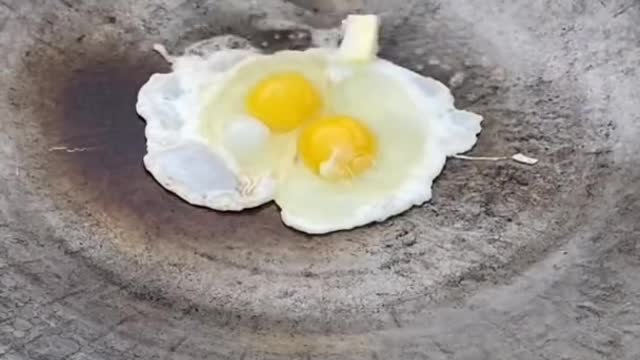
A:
x,y
507,261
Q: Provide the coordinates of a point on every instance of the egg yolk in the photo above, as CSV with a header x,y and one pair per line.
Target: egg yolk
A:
x,y
337,147
284,101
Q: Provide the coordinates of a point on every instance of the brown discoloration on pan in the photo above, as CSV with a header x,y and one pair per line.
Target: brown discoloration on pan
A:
x,y
96,142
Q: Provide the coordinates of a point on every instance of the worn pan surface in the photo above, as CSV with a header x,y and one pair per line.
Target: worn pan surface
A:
x,y
507,262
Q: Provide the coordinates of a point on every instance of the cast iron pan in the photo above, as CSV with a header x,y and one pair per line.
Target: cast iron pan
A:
x,y
508,261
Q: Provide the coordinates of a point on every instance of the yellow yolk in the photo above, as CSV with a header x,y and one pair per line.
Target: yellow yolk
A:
x,y
284,101
337,147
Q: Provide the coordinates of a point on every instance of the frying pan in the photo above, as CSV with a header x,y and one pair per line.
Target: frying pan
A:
x,y
508,261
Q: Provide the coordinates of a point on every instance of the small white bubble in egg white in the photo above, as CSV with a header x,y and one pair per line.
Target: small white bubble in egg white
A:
x,y
246,136
434,61
419,67
264,44
339,74
276,36
292,36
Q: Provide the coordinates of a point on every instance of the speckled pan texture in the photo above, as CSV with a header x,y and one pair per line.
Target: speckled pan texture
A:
x,y
508,261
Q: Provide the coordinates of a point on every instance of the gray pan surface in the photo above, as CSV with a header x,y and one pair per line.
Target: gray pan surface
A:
x,y
508,261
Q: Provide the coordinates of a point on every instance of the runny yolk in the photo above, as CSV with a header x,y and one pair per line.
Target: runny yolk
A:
x,y
337,147
284,101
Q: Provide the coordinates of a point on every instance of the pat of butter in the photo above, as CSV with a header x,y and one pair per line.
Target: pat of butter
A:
x,y
360,41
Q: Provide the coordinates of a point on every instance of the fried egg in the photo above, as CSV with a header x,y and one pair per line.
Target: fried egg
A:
x,y
337,137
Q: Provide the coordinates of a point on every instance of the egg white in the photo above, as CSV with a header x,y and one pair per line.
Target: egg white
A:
x,y
196,119
178,156
203,146
417,127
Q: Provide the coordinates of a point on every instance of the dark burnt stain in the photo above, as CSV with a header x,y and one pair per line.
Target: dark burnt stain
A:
x,y
86,103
